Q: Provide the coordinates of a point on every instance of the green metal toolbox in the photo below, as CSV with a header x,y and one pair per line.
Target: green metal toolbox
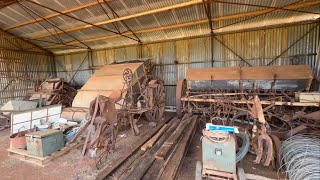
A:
x,y
44,143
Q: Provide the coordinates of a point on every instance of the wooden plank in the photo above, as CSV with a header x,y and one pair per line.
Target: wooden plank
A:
x,y
41,161
164,150
129,166
153,140
111,168
172,168
255,176
146,162
235,16
154,170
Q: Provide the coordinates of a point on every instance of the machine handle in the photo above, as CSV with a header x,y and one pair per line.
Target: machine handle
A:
x,y
219,141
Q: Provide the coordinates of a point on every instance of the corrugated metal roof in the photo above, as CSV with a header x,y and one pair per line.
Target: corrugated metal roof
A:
x,y
94,12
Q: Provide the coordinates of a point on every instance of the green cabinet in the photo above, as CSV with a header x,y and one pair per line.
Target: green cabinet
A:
x,y
44,143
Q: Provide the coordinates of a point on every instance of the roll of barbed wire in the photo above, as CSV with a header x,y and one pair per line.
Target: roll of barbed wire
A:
x,y
301,156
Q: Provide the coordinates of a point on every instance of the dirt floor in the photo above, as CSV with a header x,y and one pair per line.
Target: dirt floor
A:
x,y
65,167
187,171
69,166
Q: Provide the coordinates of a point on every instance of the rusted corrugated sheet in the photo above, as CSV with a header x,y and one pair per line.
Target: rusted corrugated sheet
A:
x,y
105,81
258,48
21,64
94,12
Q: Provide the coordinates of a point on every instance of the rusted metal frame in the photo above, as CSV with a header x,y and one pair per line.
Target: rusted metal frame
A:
x,y
87,56
127,27
54,43
66,72
262,6
276,103
16,45
232,51
24,8
113,23
80,21
81,7
38,22
24,51
8,3
59,37
44,51
207,7
251,17
52,24
308,32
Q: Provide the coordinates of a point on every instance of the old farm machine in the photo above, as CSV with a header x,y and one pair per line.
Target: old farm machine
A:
x,y
116,96
265,99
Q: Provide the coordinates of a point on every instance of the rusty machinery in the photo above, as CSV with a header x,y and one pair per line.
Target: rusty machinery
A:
x,y
267,97
116,96
53,91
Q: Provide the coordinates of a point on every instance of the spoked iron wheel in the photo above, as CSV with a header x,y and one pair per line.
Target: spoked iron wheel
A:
x,y
156,113
105,147
101,159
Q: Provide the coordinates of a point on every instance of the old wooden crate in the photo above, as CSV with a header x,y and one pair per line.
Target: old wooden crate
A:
x,y
44,143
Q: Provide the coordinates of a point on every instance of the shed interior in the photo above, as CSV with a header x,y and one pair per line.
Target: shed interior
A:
x,y
46,42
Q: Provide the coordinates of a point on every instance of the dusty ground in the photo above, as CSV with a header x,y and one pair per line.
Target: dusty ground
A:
x,y
188,167
68,166
65,167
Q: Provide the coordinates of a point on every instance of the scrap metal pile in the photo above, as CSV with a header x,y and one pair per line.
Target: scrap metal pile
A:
x,y
54,91
262,100
115,97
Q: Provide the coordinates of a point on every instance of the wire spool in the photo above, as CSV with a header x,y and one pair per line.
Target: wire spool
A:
x,y
301,156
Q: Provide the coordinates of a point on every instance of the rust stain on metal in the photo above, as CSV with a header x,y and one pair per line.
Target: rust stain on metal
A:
x,y
251,73
107,79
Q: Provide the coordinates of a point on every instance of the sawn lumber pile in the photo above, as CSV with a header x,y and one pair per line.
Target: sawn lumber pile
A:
x,y
161,156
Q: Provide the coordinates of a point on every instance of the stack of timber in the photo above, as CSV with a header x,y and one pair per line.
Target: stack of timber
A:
x,y
162,155
125,158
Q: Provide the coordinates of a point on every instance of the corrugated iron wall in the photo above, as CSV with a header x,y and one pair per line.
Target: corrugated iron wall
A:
x,y
21,64
279,46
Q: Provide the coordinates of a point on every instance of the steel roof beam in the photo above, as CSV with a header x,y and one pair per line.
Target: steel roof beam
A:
x,y
88,24
234,16
23,6
125,25
308,32
163,9
262,6
54,15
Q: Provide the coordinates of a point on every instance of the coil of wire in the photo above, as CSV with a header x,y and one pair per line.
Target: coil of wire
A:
x,y
301,156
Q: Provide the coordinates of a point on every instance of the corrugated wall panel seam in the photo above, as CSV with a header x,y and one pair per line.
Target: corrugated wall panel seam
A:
x,y
19,70
259,48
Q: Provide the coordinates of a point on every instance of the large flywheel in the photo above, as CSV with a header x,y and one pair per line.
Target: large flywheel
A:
x,y
157,101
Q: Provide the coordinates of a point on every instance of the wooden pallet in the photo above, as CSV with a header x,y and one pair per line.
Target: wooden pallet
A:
x,y
41,161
